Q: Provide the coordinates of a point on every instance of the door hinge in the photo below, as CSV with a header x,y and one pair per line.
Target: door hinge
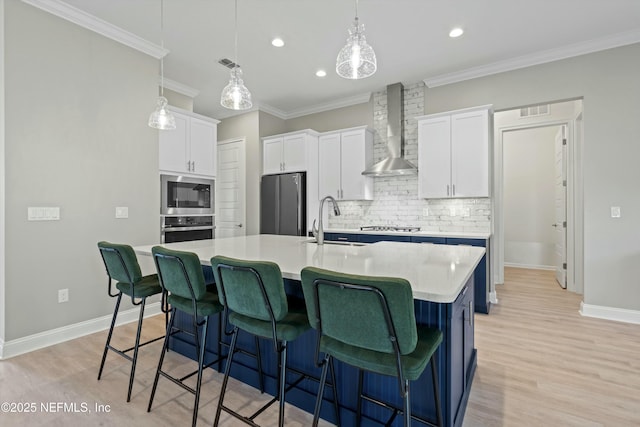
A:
x,y
564,141
564,265
564,224
564,183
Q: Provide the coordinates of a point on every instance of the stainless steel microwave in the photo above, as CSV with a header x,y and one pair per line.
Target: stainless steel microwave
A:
x,y
182,195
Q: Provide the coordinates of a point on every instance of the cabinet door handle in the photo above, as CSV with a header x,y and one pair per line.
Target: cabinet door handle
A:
x,y
447,189
193,166
471,313
454,189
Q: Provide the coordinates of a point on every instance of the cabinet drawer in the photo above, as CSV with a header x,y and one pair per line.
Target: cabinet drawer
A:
x,y
428,239
341,237
373,238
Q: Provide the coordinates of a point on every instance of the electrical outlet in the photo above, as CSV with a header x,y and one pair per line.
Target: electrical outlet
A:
x,y
122,212
615,211
63,295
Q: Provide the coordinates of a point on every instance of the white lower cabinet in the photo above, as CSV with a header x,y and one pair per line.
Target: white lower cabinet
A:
x,y
342,156
189,149
453,154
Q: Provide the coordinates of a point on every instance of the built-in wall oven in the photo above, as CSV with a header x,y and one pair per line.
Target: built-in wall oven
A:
x,y
183,228
187,208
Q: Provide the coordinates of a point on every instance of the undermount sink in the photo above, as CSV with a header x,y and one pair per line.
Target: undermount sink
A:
x,y
326,242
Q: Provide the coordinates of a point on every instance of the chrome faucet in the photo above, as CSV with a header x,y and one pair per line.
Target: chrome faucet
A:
x,y
318,233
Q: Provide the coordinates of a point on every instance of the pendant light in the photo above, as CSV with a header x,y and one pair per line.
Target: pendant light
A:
x,y
357,59
236,96
162,118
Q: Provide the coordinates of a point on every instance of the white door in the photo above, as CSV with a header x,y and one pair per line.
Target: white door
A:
x,y
434,162
272,156
329,181
561,210
203,147
470,154
173,146
294,153
230,189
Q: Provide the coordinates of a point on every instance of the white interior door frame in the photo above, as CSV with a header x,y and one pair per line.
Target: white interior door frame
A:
x,y
238,224
575,204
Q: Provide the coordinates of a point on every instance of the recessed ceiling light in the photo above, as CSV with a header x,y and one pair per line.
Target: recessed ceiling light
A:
x,y
456,32
321,73
277,42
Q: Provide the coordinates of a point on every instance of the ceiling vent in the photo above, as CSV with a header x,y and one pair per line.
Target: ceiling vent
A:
x,y
536,110
225,62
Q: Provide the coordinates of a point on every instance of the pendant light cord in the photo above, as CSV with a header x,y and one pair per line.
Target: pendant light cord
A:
x,y
162,47
236,35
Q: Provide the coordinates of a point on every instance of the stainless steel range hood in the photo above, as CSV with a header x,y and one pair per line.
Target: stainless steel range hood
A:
x,y
394,164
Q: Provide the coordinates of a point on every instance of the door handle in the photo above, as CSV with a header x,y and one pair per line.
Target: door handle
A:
x,y
239,225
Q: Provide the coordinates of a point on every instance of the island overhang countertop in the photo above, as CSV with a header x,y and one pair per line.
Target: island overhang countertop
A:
x,y
437,273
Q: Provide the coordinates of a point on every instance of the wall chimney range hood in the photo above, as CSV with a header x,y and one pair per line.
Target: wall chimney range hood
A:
x,y
394,164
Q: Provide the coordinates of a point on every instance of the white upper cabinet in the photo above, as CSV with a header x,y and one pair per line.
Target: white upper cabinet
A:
x,y
285,153
453,154
190,149
342,156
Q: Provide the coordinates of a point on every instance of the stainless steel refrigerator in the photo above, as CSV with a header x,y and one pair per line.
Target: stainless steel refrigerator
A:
x,y
283,204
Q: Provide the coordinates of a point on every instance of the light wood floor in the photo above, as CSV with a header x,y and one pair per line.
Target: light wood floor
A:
x,y
539,364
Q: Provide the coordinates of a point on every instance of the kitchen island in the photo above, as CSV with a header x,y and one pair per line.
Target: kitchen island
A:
x,y
441,277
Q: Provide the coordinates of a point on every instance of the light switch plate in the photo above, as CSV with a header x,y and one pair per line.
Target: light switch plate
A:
x,y
43,213
615,211
122,212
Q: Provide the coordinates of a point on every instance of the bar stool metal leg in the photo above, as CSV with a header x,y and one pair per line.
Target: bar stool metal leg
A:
x,y
136,348
165,346
106,346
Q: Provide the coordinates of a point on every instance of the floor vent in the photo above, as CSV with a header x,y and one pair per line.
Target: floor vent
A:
x,y
228,63
536,110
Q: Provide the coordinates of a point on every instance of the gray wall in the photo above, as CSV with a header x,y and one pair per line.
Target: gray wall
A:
x,y
76,137
2,179
247,126
529,197
340,118
608,81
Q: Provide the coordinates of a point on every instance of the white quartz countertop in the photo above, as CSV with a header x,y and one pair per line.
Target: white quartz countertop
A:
x,y
453,234
436,272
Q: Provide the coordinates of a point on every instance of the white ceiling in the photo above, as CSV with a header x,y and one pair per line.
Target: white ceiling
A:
x,y
410,38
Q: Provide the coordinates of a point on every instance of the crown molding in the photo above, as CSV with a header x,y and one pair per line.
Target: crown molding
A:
x,y
332,105
178,87
564,52
273,111
97,25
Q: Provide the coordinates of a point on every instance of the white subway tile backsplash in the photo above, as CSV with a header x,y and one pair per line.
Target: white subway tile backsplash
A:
x,y
396,199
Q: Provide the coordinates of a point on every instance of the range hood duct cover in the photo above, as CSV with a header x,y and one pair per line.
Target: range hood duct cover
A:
x,y
394,164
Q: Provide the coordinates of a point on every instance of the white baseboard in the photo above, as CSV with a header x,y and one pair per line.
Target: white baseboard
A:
x,y
610,313
493,297
55,336
533,267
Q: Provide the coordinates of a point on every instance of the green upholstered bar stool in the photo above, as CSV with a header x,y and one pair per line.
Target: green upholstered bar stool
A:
x,y
183,283
122,266
253,295
369,322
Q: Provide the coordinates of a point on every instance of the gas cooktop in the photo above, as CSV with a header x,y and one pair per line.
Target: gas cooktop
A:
x,y
405,228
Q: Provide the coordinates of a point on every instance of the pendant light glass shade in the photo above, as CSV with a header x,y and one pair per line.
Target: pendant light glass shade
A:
x,y
356,59
162,118
235,95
